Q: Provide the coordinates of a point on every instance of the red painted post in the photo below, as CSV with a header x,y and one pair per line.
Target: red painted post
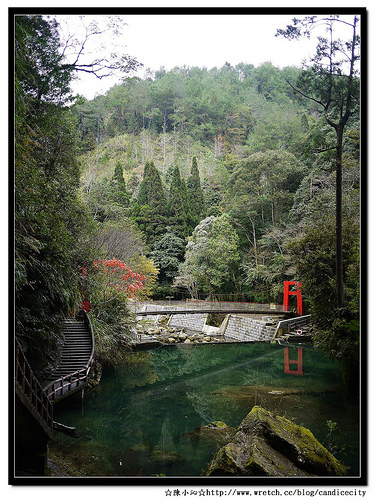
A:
x,y
288,293
286,301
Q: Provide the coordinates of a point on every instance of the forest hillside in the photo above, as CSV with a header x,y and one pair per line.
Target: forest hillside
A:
x,y
218,183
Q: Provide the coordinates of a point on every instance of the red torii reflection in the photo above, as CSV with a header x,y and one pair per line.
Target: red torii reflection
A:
x,y
298,362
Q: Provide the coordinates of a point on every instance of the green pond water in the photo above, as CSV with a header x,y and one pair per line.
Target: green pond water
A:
x,y
140,421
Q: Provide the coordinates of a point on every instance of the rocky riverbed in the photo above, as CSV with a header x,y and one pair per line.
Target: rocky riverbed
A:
x,y
173,335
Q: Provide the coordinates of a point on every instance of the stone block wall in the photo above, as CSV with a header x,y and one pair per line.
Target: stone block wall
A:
x,y
245,329
194,322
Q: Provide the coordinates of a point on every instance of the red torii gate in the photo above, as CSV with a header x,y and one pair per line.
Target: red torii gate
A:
x,y
288,292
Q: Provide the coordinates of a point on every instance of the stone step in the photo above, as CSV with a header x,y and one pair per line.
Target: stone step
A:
x,y
75,343
77,340
75,331
76,347
75,357
76,362
76,350
72,340
80,355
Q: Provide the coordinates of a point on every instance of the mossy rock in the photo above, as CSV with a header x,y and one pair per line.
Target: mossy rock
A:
x,y
227,462
269,445
216,424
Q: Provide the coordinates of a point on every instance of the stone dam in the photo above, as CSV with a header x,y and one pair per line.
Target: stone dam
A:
x,y
235,327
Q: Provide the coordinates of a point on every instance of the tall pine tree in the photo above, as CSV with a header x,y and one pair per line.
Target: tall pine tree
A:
x,y
196,196
178,206
118,187
150,211
151,191
145,187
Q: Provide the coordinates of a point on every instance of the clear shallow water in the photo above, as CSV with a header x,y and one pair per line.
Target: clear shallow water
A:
x,y
139,422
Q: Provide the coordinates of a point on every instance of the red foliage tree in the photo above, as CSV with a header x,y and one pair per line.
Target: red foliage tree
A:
x,y
120,277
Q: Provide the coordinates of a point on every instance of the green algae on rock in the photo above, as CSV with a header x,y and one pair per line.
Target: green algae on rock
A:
x,y
266,444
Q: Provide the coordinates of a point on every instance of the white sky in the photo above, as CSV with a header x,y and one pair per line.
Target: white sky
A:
x,y
203,41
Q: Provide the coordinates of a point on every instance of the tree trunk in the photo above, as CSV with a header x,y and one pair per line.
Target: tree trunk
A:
x,y
339,259
255,245
164,140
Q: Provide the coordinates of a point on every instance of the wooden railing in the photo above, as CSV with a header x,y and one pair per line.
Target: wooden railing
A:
x,y
31,392
87,320
67,384
71,383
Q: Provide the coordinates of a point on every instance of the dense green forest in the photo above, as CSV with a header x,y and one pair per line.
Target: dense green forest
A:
x,y
215,183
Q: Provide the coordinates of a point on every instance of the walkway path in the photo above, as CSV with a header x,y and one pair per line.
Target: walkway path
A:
x,y
76,359
204,307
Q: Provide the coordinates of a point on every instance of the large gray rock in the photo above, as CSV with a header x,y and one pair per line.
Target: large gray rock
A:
x,y
269,445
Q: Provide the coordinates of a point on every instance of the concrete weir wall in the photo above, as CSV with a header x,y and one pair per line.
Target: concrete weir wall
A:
x,y
194,322
245,329
237,327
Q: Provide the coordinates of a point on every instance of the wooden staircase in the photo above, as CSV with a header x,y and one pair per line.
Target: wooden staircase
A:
x,y
76,359
33,402
77,347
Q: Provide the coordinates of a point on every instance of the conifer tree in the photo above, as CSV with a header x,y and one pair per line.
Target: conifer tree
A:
x,y
196,196
118,187
144,188
151,191
178,206
150,211
185,197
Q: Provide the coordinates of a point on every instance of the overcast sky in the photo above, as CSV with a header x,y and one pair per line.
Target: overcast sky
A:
x,y
203,41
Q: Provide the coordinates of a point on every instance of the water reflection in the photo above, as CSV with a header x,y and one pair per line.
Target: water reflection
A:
x,y
298,362
144,417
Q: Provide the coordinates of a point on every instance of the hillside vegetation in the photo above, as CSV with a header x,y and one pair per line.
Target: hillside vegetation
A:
x,y
212,183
